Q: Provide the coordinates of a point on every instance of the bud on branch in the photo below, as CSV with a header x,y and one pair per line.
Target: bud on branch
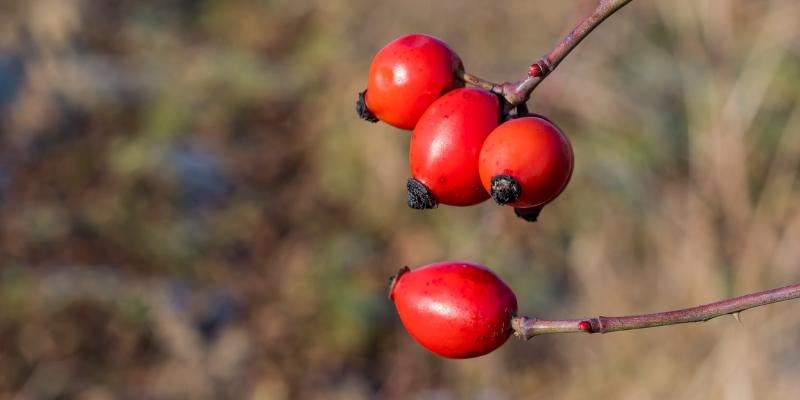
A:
x,y
527,328
519,92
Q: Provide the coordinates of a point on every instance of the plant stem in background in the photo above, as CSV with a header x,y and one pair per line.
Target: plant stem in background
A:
x,y
527,328
520,91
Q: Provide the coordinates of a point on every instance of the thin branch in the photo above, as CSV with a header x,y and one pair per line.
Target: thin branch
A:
x,y
520,91
517,93
481,83
529,327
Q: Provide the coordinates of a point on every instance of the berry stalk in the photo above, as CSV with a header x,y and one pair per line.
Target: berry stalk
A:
x,y
520,91
527,328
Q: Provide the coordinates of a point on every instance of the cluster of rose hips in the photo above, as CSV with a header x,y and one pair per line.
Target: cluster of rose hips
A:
x,y
466,147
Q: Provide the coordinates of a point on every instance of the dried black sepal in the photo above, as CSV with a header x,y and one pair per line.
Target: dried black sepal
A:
x,y
505,189
419,197
362,110
530,214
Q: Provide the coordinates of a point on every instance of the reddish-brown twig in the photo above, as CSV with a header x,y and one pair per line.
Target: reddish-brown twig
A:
x,y
527,328
520,91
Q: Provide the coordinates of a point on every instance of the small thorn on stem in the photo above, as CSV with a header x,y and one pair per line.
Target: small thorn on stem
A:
x,y
505,189
738,317
419,196
362,110
530,214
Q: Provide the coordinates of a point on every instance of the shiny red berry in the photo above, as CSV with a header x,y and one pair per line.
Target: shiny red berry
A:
x,y
407,75
445,147
526,162
455,309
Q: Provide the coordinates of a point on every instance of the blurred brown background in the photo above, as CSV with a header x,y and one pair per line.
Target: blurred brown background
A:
x,y
190,209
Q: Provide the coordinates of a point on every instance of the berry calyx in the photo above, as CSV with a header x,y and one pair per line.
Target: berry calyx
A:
x,y
530,214
526,162
454,309
505,189
406,76
419,197
445,147
362,110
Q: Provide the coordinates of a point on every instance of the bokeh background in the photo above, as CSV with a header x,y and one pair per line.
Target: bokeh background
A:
x,y
190,209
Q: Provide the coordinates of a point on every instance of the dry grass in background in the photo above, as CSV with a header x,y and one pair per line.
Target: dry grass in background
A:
x,y
189,207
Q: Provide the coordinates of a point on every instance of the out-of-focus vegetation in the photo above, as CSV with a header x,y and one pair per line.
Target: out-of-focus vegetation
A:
x,y
189,207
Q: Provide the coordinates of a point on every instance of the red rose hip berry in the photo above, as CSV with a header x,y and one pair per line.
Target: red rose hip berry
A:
x,y
405,77
445,147
526,163
454,309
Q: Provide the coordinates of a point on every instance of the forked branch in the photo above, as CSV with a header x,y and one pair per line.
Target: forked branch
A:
x,y
520,91
517,93
527,328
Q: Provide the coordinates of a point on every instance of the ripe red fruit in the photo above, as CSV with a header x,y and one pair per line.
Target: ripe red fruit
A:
x,y
526,162
407,75
445,147
454,309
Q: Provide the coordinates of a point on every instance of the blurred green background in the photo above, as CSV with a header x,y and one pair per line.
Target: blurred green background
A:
x,y
190,209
